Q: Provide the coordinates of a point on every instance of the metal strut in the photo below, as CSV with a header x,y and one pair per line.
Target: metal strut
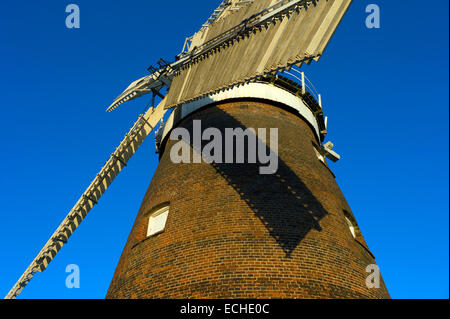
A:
x,y
119,159
90,198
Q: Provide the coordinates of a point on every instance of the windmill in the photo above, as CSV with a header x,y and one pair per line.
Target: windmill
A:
x,y
251,42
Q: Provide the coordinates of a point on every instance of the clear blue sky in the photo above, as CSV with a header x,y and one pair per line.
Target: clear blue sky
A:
x,y
385,92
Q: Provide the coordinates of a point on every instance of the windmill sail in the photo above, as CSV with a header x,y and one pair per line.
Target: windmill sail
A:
x,y
244,41
149,84
268,39
115,164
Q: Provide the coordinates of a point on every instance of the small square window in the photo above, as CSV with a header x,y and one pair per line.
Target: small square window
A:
x,y
157,221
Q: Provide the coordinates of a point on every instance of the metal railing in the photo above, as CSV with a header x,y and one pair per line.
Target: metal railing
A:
x,y
305,82
298,83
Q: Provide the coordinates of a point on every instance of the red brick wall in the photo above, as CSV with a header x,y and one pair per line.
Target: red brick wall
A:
x,y
232,233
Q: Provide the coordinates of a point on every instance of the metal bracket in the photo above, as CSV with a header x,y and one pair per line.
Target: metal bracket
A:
x,y
59,238
90,198
119,159
145,120
326,150
152,69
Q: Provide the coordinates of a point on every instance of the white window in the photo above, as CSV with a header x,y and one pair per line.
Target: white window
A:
x,y
157,221
351,227
319,155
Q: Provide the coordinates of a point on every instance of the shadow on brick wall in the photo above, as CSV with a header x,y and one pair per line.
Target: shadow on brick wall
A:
x,y
282,202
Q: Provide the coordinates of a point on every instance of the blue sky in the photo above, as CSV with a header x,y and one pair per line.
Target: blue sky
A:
x,y
385,92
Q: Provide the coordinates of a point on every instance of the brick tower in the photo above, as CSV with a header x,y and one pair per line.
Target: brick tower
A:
x,y
226,231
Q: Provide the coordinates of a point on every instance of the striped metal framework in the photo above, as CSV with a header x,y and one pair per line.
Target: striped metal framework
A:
x,y
115,164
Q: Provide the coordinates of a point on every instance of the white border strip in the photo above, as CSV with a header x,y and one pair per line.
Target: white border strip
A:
x,y
250,90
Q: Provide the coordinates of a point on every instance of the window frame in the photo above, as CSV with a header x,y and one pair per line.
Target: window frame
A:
x,y
162,210
351,226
